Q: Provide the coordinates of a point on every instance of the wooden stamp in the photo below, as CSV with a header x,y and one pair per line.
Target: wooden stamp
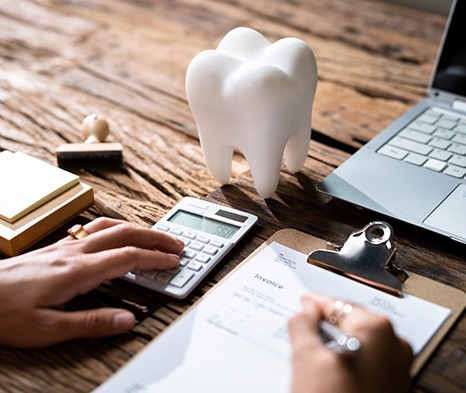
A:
x,y
94,152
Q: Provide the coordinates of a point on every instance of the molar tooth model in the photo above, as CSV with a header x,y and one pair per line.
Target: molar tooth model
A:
x,y
256,97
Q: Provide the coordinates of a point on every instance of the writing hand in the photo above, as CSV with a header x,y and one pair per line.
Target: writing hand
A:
x,y
381,365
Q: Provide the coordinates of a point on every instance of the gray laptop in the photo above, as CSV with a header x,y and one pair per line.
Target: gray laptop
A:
x,y
415,169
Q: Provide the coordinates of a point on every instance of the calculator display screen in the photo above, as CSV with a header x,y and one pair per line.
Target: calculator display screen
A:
x,y
204,224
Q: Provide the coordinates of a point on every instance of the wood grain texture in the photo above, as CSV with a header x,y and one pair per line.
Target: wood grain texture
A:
x,y
126,60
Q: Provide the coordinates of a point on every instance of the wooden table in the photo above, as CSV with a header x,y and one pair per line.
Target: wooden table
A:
x,y
61,60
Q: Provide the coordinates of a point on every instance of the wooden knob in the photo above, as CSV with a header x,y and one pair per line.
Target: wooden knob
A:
x,y
95,129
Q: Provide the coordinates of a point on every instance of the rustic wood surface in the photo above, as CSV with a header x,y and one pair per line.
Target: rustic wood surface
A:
x,y
61,60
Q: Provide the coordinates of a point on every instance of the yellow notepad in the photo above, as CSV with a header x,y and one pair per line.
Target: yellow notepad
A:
x,y
27,183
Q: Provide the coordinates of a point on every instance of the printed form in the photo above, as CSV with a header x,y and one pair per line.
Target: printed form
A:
x,y
236,339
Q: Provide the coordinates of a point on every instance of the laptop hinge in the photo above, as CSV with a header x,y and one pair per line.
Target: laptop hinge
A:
x,y
459,105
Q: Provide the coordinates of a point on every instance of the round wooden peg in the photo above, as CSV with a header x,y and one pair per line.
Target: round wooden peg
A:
x,y
95,129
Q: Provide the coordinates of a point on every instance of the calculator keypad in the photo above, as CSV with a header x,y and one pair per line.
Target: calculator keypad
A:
x,y
200,252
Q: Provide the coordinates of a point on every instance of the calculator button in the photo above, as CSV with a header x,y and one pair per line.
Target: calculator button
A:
x,y
164,276
196,246
204,258
173,270
185,241
203,239
188,253
181,279
190,235
149,273
217,244
162,228
210,250
176,231
195,266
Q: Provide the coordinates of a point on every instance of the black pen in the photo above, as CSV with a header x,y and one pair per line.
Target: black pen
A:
x,y
338,341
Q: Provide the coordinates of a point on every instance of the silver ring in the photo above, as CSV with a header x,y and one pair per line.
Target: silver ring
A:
x,y
340,311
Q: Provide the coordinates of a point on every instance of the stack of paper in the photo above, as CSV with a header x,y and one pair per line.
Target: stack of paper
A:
x,y
27,183
35,198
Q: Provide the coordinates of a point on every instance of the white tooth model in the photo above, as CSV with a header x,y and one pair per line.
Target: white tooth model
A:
x,y
256,97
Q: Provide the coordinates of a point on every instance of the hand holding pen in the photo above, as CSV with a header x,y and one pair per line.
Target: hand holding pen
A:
x,y
380,361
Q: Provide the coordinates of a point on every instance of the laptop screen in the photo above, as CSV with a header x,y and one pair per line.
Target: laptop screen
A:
x,y
450,75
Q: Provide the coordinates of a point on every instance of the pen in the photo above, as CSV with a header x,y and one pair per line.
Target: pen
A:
x,y
337,340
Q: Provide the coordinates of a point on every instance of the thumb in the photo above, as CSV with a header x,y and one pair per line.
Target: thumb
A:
x,y
86,324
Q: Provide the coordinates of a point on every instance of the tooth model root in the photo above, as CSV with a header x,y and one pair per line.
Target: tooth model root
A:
x,y
218,159
297,147
265,171
255,97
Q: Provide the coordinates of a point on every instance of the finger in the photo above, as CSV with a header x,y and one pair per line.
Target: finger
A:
x,y
127,234
114,263
166,243
102,223
62,326
87,271
97,225
304,329
327,305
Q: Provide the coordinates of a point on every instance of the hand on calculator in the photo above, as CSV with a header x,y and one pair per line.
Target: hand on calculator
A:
x,y
208,231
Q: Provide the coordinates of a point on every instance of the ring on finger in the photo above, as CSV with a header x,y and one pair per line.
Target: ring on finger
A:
x,y
78,232
340,311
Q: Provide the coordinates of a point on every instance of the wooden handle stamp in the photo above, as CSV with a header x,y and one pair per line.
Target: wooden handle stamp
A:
x,y
94,152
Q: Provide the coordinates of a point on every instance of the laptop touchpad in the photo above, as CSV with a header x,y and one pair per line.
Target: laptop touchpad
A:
x,y
450,215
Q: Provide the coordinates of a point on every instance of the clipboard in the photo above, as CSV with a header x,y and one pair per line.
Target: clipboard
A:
x,y
416,285
223,336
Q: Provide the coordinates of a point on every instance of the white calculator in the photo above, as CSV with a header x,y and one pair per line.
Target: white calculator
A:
x,y
208,230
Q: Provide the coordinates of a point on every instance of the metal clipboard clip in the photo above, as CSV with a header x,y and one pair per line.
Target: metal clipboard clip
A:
x,y
367,256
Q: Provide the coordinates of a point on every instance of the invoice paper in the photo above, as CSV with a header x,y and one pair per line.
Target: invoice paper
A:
x,y
236,338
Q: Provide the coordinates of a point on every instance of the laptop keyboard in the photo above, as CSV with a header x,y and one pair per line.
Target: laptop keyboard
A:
x,y
435,140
